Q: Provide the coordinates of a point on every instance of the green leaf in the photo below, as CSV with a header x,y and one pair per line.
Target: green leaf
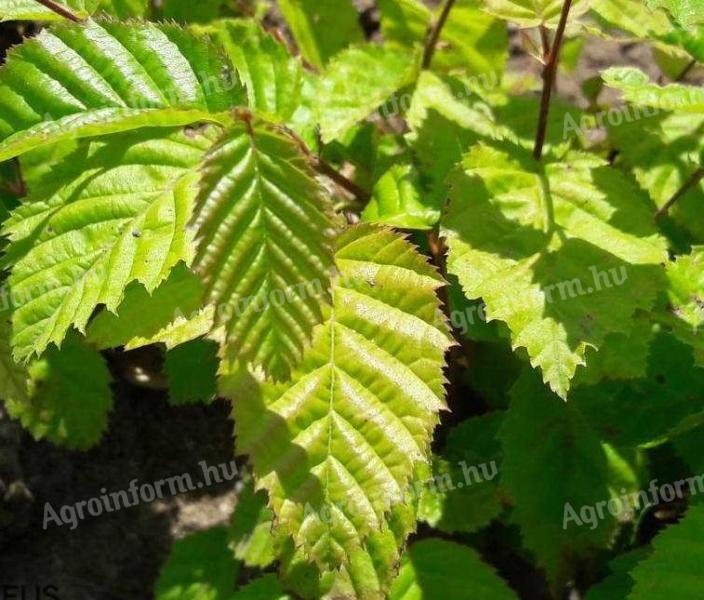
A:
x,y
94,78
5,203
553,460
169,315
370,570
683,314
12,185
38,165
398,200
273,80
64,397
663,152
620,583
200,567
114,212
403,21
357,82
264,230
471,39
673,44
445,119
266,587
673,570
191,369
622,356
686,288
322,28
251,537
517,114
647,411
637,88
464,493
31,10
531,13
186,11
337,446
125,9
688,13
633,17
565,253
688,447
14,378
457,572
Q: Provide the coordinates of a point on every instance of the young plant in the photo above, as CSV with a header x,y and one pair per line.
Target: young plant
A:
x,y
356,241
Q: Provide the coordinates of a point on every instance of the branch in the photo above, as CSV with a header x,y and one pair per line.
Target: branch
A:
x,y
545,40
434,34
691,183
60,10
20,187
331,173
549,75
438,254
690,65
319,164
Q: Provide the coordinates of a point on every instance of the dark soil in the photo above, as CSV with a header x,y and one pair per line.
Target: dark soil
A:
x,y
117,556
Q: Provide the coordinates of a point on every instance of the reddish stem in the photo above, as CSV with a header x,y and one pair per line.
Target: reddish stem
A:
x,y
434,34
59,10
549,75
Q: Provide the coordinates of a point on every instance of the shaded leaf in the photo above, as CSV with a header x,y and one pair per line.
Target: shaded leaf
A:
x,y
398,200
619,583
251,527
547,441
647,411
266,587
464,493
64,397
637,88
471,39
115,212
272,78
191,369
169,315
674,567
322,28
433,564
264,230
564,254
663,151
531,13
357,82
338,444
199,567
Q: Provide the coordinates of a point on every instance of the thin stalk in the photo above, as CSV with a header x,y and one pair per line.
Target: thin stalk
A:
x,y
20,187
691,183
686,71
438,253
434,34
549,75
545,40
319,164
331,173
59,10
